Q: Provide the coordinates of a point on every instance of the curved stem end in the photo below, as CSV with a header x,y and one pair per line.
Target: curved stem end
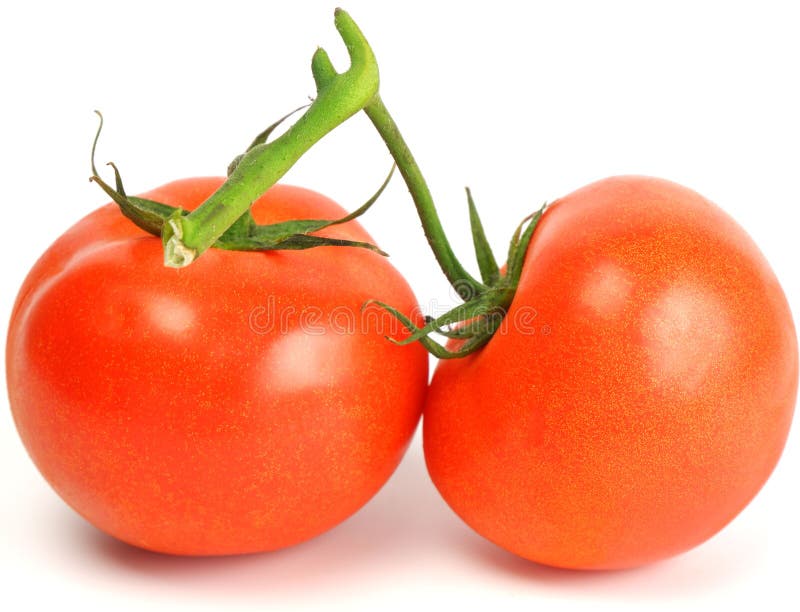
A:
x,y
176,253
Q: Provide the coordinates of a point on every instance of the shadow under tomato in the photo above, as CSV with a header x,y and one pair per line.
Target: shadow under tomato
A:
x,y
404,533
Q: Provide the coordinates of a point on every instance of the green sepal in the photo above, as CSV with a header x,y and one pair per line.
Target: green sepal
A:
x,y
519,246
240,230
487,264
295,242
270,236
434,348
146,214
493,300
471,328
477,320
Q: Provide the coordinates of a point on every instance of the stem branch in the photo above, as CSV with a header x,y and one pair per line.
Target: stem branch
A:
x,y
461,280
339,96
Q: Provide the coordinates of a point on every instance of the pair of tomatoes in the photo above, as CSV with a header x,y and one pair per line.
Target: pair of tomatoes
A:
x,y
199,411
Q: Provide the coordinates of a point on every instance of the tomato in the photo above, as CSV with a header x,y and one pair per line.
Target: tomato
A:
x,y
639,394
240,404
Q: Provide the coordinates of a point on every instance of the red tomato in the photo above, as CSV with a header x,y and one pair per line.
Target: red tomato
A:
x,y
240,404
639,395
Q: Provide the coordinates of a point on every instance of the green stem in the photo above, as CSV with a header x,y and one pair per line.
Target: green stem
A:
x,y
339,96
461,280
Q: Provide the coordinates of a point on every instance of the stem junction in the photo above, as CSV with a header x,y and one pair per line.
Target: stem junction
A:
x,y
224,219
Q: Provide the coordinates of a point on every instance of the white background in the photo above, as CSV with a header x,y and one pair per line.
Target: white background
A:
x,y
522,101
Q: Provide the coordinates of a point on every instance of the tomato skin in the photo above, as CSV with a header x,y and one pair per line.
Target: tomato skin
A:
x,y
204,410
640,394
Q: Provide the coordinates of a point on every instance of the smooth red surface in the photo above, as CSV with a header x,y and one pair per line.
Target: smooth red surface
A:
x,y
161,405
640,394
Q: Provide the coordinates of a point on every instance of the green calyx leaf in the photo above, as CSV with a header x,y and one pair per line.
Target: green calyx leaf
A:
x,y
473,324
245,234
436,349
472,314
519,245
487,264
